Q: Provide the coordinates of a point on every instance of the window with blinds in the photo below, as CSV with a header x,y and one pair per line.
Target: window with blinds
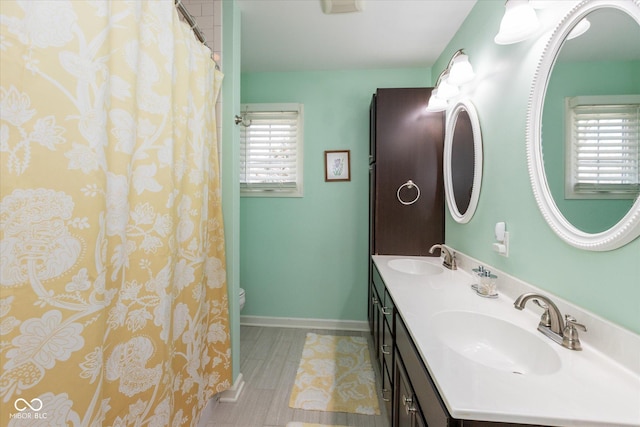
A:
x,y
603,152
271,150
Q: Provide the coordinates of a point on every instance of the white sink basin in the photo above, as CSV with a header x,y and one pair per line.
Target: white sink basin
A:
x,y
415,266
496,343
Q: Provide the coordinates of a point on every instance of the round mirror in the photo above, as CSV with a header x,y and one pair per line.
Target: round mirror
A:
x,y
578,139
462,161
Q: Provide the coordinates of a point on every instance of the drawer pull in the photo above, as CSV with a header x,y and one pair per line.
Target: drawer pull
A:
x,y
384,392
407,402
387,311
383,348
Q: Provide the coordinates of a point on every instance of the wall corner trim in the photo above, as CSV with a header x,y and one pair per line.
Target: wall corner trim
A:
x,y
233,394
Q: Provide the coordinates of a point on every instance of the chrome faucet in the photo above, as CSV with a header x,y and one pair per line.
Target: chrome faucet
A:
x,y
551,323
449,260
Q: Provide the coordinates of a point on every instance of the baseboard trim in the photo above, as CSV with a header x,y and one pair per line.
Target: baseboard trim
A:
x,y
233,394
293,322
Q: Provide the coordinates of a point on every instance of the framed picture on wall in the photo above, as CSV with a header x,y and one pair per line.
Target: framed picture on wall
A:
x,y
337,165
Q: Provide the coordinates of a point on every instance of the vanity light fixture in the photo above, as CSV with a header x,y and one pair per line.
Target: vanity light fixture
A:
x,y
458,72
518,23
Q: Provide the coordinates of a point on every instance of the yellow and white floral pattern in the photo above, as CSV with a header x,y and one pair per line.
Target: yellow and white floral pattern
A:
x,y
113,298
335,374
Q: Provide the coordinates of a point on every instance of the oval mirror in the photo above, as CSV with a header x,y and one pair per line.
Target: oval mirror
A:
x,y
462,161
580,80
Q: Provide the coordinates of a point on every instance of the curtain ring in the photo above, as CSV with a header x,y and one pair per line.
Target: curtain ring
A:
x,y
409,184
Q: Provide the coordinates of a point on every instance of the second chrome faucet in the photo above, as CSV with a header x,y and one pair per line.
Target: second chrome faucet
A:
x,y
448,257
551,323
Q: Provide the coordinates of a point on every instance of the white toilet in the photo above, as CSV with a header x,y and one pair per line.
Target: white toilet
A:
x,y
242,298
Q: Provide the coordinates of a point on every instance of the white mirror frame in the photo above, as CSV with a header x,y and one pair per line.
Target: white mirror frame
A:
x,y
628,228
452,117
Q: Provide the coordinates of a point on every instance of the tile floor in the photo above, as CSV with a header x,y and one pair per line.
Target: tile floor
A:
x,y
269,359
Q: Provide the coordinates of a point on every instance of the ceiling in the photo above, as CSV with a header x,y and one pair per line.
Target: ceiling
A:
x,y
295,35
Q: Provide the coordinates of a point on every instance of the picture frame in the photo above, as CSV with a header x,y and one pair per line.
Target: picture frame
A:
x,y
337,165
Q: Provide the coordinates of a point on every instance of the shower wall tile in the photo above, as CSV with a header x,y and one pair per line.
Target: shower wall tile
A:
x,y
208,16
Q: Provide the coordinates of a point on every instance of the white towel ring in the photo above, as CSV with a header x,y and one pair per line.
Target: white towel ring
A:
x,y
409,184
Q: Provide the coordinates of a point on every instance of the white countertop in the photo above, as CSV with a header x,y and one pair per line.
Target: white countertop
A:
x,y
589,389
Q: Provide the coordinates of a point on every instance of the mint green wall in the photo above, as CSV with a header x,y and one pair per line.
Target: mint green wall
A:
x,y
606,283
582,79
307,257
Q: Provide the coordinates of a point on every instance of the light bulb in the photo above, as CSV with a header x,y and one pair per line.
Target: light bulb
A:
x,y
461,70
518,23
436,103
447,90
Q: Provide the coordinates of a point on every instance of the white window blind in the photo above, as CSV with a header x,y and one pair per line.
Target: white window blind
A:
x,y
271,150
604,152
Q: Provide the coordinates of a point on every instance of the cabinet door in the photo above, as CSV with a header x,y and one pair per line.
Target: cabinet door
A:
x,y
386,312
408,146
387,390
402,416
380,330
406,407
427,397
376,325
373,308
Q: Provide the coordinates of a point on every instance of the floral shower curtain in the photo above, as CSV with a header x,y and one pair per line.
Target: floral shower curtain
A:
x,y
113,304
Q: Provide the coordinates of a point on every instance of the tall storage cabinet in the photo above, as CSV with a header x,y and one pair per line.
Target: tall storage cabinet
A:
x,y
406,211
406,181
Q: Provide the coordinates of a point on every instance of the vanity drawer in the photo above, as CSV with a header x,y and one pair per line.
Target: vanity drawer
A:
x,y
434,410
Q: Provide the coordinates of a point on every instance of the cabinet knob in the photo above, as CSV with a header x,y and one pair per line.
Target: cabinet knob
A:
x,y
383,348
407,402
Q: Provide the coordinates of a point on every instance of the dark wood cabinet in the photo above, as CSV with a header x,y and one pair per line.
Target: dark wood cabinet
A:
x,y
406,144
382,320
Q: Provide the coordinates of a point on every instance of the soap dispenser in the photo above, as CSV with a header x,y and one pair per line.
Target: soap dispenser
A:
x,y
488,284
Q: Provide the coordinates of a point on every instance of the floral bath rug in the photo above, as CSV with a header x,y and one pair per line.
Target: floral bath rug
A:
x,y
335,374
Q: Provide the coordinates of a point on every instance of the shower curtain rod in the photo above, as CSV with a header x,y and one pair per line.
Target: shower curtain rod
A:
x,y
194,26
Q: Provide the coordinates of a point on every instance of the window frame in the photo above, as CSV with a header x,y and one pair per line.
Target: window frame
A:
x,y
617,191
273,189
